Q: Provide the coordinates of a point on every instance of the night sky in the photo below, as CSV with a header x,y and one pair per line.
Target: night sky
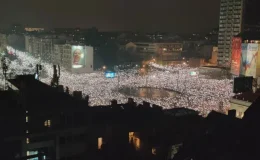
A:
x,y
178,16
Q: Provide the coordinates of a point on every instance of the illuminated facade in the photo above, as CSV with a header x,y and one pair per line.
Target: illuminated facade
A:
x,y
75,58
236,56
249,59
230,24
27,29
100,142
40,47
134,140
235,16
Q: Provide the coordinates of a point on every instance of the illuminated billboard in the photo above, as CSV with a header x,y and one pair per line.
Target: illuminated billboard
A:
x,y
78,56
243,57
236,56
110,74
252,54
249,59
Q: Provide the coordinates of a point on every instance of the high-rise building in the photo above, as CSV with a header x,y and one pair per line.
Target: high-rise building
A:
x,y
235,16
230,24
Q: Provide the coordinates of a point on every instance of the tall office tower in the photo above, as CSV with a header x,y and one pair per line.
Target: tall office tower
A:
x,y
236,16
230,24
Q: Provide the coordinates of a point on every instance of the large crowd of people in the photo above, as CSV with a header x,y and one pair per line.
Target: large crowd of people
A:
x,y
195,91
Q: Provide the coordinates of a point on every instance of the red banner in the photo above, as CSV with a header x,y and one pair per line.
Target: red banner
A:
x,y
236,55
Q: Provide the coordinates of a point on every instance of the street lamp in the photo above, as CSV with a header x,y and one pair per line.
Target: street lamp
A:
x,y
104,67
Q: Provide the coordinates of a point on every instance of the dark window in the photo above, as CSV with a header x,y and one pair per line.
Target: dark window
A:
x,y
62,140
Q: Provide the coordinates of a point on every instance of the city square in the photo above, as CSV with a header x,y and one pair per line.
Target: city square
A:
x,y
197,92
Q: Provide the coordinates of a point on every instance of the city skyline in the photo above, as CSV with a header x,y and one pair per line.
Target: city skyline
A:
x,y
178,16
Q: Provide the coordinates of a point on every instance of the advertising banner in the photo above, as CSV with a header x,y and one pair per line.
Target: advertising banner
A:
x,y
252,54
249,59
78,56
236,56
110,74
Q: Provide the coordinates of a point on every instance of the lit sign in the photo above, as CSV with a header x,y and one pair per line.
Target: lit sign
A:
x,y
110,74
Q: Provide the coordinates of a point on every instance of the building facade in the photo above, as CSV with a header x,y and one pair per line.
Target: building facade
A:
x,y
74,58
236,16
41,46
230,24
28,29
163,51
245,59
206,51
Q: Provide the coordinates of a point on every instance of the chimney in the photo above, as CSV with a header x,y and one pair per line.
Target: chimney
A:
x,y
146,104
130,100
77,94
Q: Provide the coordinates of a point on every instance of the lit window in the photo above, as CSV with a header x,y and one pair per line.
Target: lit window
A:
x,y
154,151
27,131
135,140
27,140
100,142
47,123
31,153
131,136
27,119
137,143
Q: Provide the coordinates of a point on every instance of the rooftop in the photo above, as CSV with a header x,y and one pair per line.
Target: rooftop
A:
x,y
247,96
37,93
